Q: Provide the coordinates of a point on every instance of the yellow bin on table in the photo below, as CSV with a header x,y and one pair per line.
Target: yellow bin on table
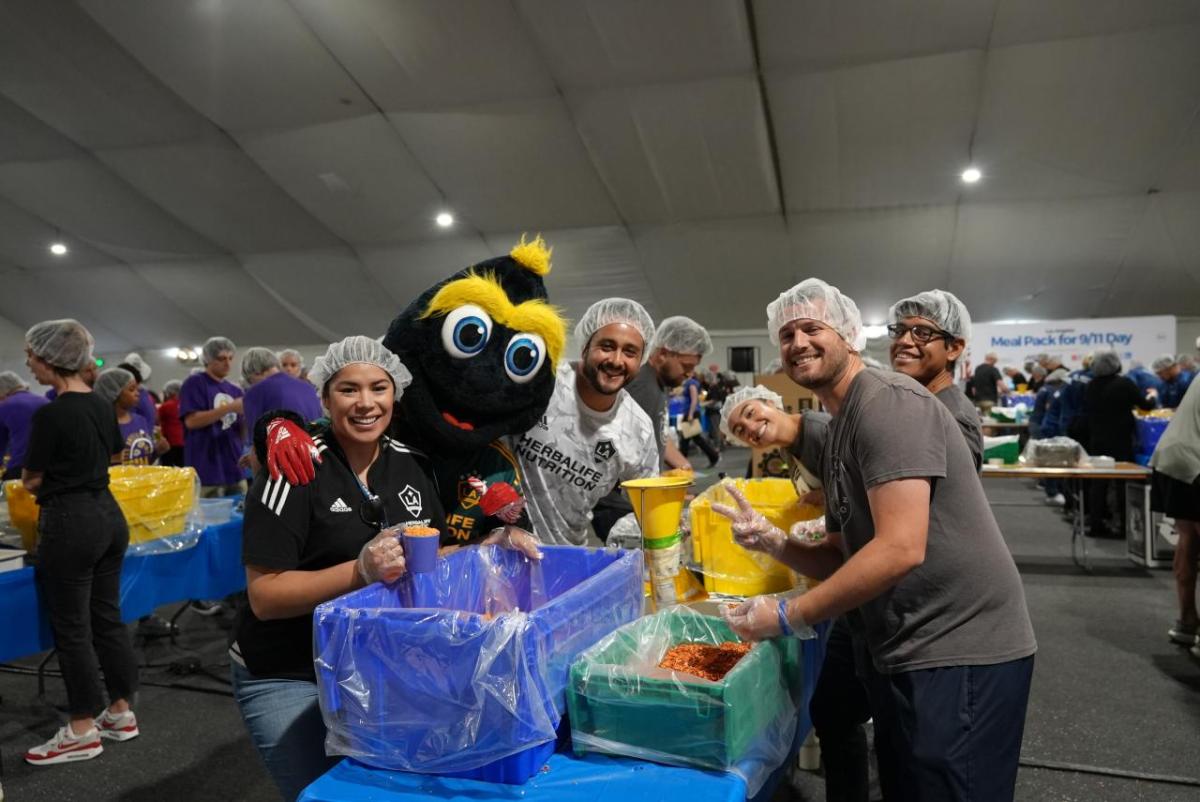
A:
x,y
155,500
658,504
727,567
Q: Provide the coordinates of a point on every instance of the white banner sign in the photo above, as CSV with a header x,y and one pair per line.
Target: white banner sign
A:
x,y
1133,338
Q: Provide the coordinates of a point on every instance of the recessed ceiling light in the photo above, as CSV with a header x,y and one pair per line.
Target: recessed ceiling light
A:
x,y
445,219
58,249
971,175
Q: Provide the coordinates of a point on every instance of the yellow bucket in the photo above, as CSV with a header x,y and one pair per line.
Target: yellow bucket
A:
x,y
658,503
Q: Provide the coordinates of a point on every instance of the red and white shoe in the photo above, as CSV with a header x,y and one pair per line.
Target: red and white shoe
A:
x,y
66,747
118,726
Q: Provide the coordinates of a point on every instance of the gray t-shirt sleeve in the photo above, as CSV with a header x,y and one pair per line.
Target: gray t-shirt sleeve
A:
x,y
900,435
809,448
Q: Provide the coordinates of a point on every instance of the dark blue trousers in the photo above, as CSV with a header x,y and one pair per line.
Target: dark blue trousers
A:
x,y
950,733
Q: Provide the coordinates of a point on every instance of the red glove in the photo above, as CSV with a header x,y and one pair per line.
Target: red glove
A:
x,y
291,452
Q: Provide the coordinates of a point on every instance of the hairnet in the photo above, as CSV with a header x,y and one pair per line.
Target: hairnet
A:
x,y
11,382
1162,363
1057,376
256,360
943,308
682,335
214,347
1037,370
1106,363
133,371
740,396
615,310
359,350
111,382
172,387
286,352
136,360
813,299
64,344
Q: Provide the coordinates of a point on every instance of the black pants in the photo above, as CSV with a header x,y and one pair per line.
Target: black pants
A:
x,y
1098,509
173,457
685,445
950,733
839,708
83,537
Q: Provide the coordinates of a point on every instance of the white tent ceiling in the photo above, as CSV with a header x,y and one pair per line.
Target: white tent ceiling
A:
x,y
270,170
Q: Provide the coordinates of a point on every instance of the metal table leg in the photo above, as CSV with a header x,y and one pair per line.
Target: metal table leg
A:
x,y
1078,525
41,673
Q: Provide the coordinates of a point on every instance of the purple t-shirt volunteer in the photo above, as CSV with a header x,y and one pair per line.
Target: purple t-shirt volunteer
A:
x,y
280,391
145,407
212,450
137,440
16,415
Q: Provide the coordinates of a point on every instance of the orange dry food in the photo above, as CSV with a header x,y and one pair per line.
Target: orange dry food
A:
x,y
421,531
705,660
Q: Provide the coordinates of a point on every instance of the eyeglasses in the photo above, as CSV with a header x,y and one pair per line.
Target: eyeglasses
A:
x,y
372,512
920,334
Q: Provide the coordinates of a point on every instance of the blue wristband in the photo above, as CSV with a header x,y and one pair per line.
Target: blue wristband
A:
x,y
784,626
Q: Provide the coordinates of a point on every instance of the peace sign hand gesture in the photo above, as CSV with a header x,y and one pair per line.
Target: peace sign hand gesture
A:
x,y
751,529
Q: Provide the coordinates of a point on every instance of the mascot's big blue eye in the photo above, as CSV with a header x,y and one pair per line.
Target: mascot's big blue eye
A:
x,y
466,331
525,354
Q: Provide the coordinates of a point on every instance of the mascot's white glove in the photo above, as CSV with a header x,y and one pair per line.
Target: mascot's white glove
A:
x,y
382,558
751,529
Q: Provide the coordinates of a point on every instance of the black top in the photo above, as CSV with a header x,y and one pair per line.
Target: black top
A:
x,y
316,526
71,443
1110,423
983,384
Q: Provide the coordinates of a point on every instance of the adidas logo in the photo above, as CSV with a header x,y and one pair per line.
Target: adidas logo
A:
x,y
340,506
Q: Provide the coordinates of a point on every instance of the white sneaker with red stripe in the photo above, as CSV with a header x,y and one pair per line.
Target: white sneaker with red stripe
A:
x,y
117,726
66,747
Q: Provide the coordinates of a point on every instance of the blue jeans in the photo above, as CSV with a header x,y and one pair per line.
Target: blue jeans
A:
x,y
285,725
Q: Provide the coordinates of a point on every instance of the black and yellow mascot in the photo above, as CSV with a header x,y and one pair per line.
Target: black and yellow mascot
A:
x,y
482,347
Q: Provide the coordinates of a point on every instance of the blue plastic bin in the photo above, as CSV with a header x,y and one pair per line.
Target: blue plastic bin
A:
x,y
1148,432
417,676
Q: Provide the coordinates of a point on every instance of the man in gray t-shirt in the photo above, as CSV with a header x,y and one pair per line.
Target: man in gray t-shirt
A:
x,y
913,546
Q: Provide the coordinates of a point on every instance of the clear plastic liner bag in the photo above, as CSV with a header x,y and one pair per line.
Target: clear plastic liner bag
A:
x,y
1054,452
161,504
728,567
622,702
456,669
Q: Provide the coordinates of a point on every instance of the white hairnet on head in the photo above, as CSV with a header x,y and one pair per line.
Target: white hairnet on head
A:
x,y
256,360
286,352
1106,363
1162,363
813,299
682,335
615,310
64,344
172,387
136,360
214,347
10,383
111,382
943,308
1057,376
354,351
739,397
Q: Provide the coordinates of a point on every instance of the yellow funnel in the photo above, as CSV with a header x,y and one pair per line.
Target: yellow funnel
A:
x,y
658,503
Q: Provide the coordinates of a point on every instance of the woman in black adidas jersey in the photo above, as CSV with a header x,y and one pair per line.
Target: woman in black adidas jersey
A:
x,y
304,545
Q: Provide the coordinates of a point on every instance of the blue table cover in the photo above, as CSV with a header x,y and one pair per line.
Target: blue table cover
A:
x,y
211,569
566,777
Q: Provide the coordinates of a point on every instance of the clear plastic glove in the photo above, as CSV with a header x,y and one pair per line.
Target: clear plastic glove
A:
x,y
290,452
762,617
751,529
382,558
514,538
808,531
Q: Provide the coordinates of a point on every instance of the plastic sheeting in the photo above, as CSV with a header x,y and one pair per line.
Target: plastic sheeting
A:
x,y
622,703
456,669
1054,452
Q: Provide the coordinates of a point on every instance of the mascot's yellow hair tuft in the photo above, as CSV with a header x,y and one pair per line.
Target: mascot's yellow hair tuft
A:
x,y
485,291
533,255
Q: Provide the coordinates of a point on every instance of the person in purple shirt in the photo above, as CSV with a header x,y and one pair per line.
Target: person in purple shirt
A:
x,y
141,371
270,388
17,406
211,410
119,387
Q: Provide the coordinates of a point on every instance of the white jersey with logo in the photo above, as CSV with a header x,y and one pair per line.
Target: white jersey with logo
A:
x,y
574,456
